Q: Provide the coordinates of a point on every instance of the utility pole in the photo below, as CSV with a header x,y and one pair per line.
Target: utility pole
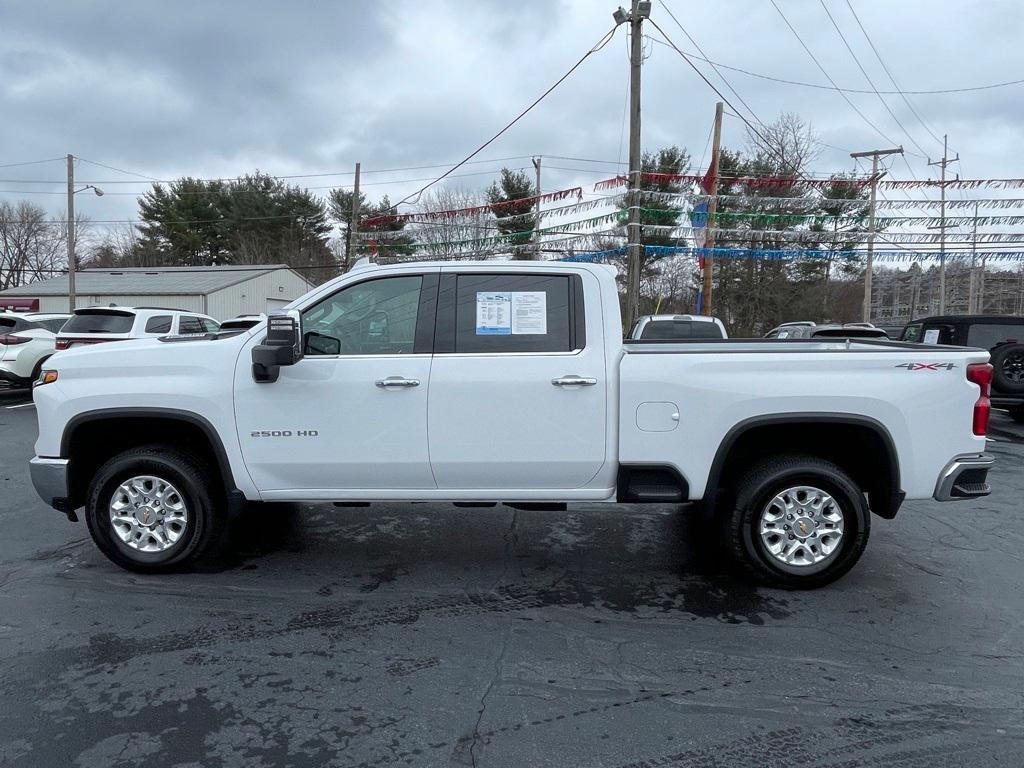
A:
x,y
972,297
71,233
353,222
874,154
639,12
946,160
709,232
536,215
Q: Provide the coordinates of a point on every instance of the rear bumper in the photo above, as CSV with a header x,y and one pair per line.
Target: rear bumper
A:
x,y
965,477
50,478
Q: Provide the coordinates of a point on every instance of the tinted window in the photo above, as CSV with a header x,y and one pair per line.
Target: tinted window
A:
x,y
850,333
14,324
53,324
513,313
159,324
100,322
376,317
987,335
680,329
187,324
209,325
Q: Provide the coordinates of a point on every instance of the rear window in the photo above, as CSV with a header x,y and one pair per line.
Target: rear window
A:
x,y
159,324
681,329
100,322
987,335
53,324
15,324
851,333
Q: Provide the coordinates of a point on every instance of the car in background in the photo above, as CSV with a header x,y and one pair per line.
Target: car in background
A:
x,y
242,322
94,325
677,327
27,339
1001,335
805,330
893,331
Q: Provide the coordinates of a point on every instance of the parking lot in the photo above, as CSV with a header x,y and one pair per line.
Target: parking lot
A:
x,y
424,634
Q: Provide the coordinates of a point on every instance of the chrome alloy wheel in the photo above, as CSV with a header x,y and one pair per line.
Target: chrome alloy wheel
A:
x,y
801,526
148,513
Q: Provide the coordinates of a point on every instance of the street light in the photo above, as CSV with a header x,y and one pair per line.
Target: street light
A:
x,y
71,226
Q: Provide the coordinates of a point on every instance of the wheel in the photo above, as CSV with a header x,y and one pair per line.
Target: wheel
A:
x,y
1017,413
37,369
798,522
1008,368
150,510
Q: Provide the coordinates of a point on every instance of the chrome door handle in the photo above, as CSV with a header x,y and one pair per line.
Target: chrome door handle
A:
x,y
396,382
574,381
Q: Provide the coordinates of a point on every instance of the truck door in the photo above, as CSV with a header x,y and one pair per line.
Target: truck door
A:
x,y
518,385
352,413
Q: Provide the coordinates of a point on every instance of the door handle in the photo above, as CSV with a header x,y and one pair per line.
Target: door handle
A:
x,y
574,381
396,382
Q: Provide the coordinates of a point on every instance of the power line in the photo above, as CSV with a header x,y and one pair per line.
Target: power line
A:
x,y
32,162
827,75
601,43
822,87
119,170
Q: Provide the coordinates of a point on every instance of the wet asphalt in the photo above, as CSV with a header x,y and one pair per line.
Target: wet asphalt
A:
x,y
429,635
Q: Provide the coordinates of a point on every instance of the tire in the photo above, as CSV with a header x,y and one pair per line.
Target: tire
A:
x,y
755,502
1017,413
1008,368
171,542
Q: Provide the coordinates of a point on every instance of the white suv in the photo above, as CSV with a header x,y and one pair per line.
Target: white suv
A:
x,y
27,339
99,324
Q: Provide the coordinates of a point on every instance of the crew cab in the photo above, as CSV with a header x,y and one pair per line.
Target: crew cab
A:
x,y
483,382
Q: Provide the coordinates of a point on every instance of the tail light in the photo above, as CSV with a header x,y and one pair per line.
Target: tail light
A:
x,y
981,374
63,343
66,343
10,340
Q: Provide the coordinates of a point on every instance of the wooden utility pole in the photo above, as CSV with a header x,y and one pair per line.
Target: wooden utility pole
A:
x,y
874,154
709,232
640,11
536,214
71,233
972,298
353,223
946,160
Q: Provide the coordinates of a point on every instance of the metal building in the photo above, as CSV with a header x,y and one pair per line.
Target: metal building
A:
x,y
221,292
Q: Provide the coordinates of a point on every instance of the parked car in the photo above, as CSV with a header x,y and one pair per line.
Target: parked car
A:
x,y
484,382
826,331
98,324
675,327
1001,335
242,322
27,339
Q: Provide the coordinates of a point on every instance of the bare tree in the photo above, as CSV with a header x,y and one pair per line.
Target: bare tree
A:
x,y
448,237
32,246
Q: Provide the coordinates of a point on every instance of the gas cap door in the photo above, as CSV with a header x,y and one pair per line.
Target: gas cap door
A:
x,y
657,417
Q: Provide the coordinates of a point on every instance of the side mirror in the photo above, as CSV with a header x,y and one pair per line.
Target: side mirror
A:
x,y
283,346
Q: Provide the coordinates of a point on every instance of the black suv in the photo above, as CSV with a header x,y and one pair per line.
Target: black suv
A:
x,y
1001,335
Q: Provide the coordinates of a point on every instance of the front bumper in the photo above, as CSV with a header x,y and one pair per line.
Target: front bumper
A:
x,y
965,477
50,478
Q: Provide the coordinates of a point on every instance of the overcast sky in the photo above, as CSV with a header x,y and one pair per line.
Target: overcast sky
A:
x,y
221,88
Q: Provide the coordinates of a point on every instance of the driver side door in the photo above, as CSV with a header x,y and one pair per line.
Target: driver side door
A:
x,y
348,420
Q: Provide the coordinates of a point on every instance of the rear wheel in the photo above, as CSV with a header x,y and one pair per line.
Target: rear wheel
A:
x,y
150,510
798,522
1008,368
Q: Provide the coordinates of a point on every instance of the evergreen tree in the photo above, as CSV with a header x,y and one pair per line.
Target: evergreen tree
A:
x,y
517,219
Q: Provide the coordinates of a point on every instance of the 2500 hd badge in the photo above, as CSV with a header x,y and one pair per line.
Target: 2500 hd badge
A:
x,y
284,433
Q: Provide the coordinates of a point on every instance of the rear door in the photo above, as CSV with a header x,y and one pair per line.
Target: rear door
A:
x,y
518,387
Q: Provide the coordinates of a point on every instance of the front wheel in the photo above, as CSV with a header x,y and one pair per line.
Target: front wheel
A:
x,y
151,510
799,522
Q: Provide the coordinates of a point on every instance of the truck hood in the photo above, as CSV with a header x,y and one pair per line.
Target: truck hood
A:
x,y
149,356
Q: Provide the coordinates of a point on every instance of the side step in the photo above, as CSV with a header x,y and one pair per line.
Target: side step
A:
x,y
651,485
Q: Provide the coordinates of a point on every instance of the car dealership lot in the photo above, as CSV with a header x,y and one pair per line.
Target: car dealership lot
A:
x,y
425,634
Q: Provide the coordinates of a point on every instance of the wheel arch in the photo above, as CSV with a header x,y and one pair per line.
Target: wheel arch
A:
x,y
86,439
868,453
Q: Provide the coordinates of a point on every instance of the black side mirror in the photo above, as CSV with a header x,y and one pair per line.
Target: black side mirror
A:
x,y
283,346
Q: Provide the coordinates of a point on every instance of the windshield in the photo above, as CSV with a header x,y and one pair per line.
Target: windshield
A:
x,y
987,335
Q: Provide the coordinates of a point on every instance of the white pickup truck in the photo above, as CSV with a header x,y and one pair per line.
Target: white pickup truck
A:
x,y
505,382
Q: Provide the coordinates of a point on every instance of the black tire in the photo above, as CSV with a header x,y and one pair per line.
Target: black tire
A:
x,y
1008,368
206,514
755,490
1017,413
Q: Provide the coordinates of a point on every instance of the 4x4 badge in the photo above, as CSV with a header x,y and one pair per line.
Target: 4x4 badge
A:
x,y
926,366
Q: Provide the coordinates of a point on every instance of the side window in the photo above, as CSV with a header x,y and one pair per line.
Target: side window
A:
x,y
376,317
516,313
159,324
912,333
189,324
209,326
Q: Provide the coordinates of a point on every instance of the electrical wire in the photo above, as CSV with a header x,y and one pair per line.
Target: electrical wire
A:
x,y
601,43
119,170
31,162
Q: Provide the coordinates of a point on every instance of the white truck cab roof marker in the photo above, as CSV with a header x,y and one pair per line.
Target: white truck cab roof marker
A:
x,y
510,381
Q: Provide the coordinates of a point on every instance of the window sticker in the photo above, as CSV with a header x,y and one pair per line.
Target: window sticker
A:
x,y
493,313
931,336
529,312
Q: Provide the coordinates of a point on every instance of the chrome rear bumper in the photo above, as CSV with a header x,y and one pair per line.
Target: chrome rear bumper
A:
x,y
965,477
